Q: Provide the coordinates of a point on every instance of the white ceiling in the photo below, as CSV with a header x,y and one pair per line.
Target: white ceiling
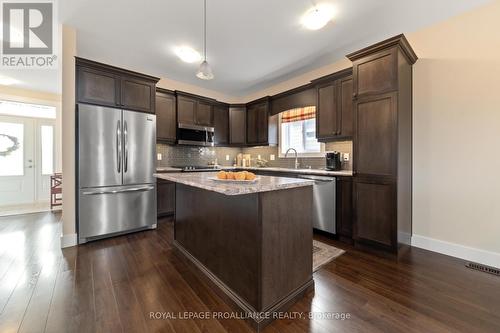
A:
x,y
251,44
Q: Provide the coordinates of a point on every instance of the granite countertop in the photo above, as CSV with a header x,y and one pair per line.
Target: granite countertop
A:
x,y
168,169
203,180
319,172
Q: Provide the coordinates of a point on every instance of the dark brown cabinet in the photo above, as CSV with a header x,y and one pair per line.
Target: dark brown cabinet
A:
x,y
106,85
221,124
165,197
186,109
344,208
204,114
375,212
237,125
334,106
194,110
262,129
382,143
376,141
166,123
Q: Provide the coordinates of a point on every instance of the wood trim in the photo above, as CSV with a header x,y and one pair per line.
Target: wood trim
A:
x,y
332,77
265,99
102,66
400,41
198,97
165,91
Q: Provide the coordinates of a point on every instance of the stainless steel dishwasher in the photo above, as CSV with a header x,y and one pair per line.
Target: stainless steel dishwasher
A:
x,y
323,202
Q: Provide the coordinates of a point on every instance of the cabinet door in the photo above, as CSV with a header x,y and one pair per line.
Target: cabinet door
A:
x,y
97,87
346,111
166,124
186,108
344,207
375,145
237,125
165,197
137,95
327,112
375,205
221,124
204,114
252,128
262,123
376,73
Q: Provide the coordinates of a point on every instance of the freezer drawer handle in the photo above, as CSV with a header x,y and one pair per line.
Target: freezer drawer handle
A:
x,y
134,189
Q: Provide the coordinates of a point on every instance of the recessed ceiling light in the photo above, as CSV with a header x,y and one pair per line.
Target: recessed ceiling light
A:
x,y
318,16
8,81
187,54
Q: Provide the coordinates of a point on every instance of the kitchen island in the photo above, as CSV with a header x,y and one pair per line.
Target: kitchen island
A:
x,y
252,241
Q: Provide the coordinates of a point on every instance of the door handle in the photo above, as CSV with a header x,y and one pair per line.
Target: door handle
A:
x,y
118,146
127,190
125,138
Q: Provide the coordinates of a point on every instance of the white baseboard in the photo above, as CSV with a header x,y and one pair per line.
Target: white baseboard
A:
x,y
456,250
69,240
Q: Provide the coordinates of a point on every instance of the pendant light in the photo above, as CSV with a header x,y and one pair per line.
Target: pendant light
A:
x,y
205,72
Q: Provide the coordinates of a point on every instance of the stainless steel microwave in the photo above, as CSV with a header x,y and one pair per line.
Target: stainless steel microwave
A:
x,y
195,135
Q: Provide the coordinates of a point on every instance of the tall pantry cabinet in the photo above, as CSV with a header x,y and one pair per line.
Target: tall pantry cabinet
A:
x,y
382,143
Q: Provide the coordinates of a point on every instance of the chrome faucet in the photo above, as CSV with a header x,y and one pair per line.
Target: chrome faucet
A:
x,y
296,157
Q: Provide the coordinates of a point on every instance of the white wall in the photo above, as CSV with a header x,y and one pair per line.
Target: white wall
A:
x,y
68,237
456,185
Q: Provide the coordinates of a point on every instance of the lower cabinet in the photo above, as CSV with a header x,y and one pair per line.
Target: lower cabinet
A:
x,y
375,209
344,208
165,197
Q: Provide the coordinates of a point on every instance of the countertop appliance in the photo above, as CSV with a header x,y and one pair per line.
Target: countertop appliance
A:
x,y
195,135
115,167
324,217
333,161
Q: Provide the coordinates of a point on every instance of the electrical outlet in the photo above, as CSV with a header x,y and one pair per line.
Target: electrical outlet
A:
x,y
346,157
258,156
272,157
158,157
227,157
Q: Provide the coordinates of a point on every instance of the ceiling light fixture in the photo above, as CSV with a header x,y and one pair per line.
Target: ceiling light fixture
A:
x,y
205,72
318,16
187,54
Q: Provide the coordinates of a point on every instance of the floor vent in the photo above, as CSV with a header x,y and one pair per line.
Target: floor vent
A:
x,y
483,268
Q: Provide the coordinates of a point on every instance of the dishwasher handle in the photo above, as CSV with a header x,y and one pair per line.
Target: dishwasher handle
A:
x,y
318,178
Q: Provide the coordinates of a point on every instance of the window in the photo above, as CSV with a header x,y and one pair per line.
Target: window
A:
x,y
47,145
298,131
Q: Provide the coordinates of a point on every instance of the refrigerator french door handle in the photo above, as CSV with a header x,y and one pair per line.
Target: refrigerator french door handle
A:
x,y
125,138
118,145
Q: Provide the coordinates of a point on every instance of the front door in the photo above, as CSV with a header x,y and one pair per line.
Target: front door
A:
x,y
17,167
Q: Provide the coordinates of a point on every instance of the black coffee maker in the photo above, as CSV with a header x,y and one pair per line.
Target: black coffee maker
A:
x,y
333,161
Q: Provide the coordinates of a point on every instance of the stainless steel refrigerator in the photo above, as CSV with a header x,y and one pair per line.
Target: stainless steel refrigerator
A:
x,y
115,167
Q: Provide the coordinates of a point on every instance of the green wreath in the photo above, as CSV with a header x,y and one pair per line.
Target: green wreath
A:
x,y
13,148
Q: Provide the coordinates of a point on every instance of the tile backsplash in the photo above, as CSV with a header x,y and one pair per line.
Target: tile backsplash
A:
x,y
185,155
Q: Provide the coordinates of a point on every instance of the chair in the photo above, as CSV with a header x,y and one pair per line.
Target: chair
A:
x,y
55,190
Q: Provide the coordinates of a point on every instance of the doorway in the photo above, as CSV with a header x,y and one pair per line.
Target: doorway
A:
x,y
27,157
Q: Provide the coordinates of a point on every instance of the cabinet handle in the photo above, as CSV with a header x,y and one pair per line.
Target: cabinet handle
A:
x,y
354,95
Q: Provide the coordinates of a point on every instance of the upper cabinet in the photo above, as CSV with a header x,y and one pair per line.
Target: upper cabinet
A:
x,y
237,125
166,122
101,84
334,106
194,110
261,128
221,124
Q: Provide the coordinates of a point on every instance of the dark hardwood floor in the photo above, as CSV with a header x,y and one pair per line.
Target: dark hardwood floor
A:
x,y
114,284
